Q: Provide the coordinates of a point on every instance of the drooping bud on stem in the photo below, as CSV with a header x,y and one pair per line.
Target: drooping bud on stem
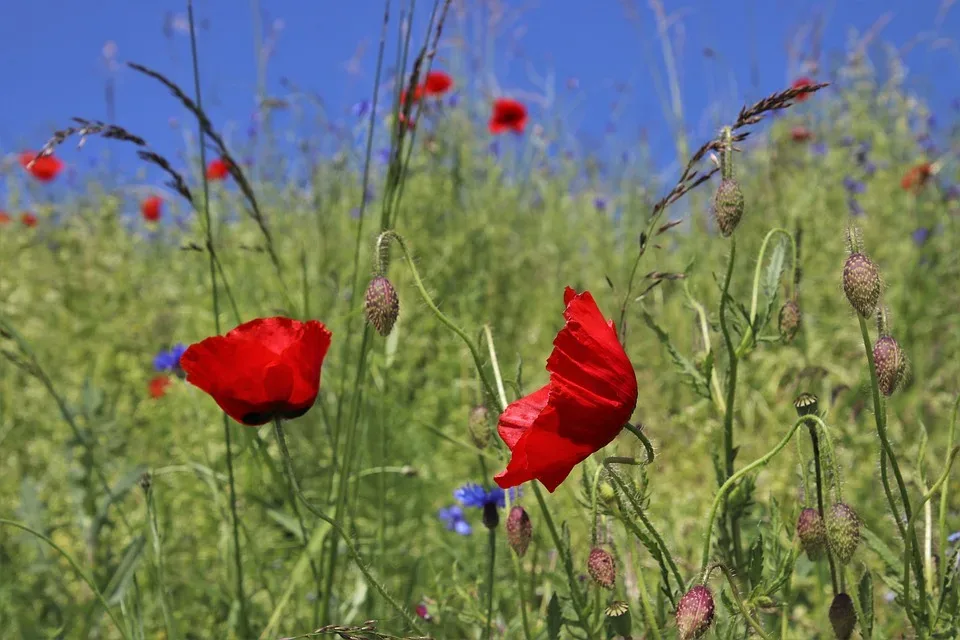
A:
x,y
790,318
843,617
861,283
602,567
890,364
695,613
519,530
381,305
843,531
812,533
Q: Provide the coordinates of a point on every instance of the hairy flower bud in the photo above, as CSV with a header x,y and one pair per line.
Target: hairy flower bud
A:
x,y
478,427
790,318
889,364
843,617
843,531
602,567
490,517
861,283
519,530
728,205
695,613
812,533
381,304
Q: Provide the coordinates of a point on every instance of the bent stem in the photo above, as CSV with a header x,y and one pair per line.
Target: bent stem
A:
x,y
354,554
911,525
740,604
76,567
756,464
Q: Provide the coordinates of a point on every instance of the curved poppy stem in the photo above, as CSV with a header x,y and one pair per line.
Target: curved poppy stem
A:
x,y
76,567
756,464
739,601
357,559
382,241
638,431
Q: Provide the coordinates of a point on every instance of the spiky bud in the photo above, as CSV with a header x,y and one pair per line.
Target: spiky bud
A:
x,y
861,283
519,530
790,318
728,205
478,427
812,532
889,363
381,304
606,494
843,531
806,404
843,617
602,567
695,613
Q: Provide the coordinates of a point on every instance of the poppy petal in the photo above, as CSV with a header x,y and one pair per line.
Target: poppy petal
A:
x,y
520,416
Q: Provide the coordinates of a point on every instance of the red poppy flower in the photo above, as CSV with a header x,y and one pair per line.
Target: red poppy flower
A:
x,y
417,94
44,169
158,386
28,219
801,134
437,83
4,217
151,207
916,177
264,369
802,81
508,114
591,394
217,169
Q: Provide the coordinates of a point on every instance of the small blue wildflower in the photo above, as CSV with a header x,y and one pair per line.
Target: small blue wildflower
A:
x,y
862,152
921,235
853,186
169,360
818,149
952,192
361,109
889,596
953,537
846,141
383,156
495,149
855,209
453,100
473,495
869,168
453,519
600,203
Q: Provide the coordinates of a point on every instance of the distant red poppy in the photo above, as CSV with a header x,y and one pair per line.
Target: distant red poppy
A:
x,y
591,395
801,134
151,208
4,217
916,177
44,169
799,83
28,219
417,95
437,83
217,169
508,115
410,123
158,386
264,369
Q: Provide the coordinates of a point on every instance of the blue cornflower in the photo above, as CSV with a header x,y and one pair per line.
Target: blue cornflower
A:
x,y
452,517
818,149
846,141
862,152
853,186
920,235
453,100
169,360
869,168
383,156
855,209
361,109
953,537
600,203
473,495
952,192
494,149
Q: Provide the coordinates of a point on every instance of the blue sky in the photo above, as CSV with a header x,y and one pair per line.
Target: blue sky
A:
x,y
51,57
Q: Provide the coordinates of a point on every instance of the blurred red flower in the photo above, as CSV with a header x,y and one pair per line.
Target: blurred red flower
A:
x,y
158,386
4,217
437,83
28,219
801,134
44,169
417,94
916,177
409,122
264,369
508,115
802,81
591,395
151,208
217,169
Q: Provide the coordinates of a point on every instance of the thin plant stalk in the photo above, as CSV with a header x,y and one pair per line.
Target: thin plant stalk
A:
x,y
648,614
944,498
215,301
491,577
754,624
819,479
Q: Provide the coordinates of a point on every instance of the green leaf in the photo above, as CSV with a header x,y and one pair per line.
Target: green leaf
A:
x,y
865,599
893,563
755,562
687,369
554,618
770,284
